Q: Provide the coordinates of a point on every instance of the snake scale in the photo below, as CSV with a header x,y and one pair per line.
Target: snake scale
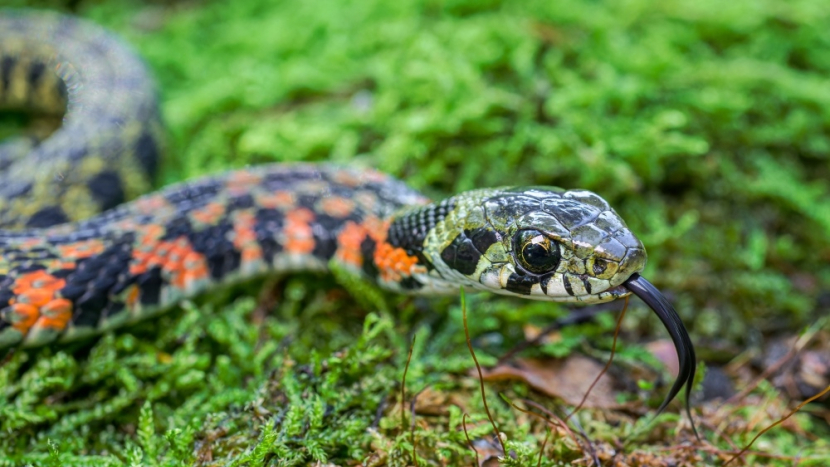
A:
x,y
79,258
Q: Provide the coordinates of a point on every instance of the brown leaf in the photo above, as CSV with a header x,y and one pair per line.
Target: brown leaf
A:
x,y
489,451
567,379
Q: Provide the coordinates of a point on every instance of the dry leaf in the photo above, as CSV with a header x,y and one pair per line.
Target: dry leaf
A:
x,y
567,379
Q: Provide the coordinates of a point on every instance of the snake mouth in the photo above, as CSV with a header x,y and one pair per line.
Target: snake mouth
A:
x,y
658,303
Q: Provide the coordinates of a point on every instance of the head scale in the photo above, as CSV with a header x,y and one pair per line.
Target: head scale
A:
x,y
537,242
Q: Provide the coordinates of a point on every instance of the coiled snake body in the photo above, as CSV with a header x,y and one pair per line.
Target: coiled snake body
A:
x,y
76,259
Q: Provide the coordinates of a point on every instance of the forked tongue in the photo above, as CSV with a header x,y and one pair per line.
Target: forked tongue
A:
x,y
682,343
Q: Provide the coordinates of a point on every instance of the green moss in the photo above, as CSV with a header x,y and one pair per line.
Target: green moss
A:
x,y
704,123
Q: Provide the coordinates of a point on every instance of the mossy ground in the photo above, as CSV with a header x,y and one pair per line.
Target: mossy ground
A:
x,y
706,124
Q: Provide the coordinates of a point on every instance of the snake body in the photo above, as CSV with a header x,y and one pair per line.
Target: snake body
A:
x,y
109,141
76,259
64,274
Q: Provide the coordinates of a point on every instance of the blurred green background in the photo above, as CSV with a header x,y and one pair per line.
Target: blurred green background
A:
x,y
706,124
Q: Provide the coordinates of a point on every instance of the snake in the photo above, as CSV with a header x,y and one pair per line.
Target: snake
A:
x,y
83,248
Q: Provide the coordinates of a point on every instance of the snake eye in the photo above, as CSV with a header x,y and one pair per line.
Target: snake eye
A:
x,y
536,252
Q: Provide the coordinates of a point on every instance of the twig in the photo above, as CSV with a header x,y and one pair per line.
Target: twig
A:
x,y
480,376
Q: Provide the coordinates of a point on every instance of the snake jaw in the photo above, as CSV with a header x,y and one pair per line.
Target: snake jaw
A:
x,y
658,303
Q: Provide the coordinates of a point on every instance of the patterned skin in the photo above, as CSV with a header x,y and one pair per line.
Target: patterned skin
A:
x,y
76,260
107,145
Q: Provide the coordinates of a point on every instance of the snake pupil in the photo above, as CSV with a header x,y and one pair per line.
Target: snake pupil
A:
x,y
537,252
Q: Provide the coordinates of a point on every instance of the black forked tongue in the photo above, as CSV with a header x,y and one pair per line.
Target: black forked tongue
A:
x,y
682,344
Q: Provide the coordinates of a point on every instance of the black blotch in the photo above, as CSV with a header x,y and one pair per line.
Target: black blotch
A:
x,y
88,308
268,223
410,283
83,318
461,255
76,153
35,72
62,273
567,282
177,227
367,250
73,292
307,200
325,241
107,189
6,293
586,284
47,217
90,285
482,238
6,65
112,309
243,201
521,284
422,259
543,283
85,272
124,281
150,283
147,153
212,242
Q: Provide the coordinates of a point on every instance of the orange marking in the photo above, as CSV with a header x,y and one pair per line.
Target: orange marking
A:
x,y
25,316
337,206
31,243
345,177
37,280
151,204
126,225
58,264
149,236
56,314
366,199
394,264
300,238
244,236
348,243
374,176
36,302
240,182
209,213
277,199
178,261
36,297
83,249
377,228
133,294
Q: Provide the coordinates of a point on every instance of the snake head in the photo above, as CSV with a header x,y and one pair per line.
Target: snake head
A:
x,y
552,244
540,242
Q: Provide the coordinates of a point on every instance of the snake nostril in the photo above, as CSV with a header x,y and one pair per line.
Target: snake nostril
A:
x,y
600,265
